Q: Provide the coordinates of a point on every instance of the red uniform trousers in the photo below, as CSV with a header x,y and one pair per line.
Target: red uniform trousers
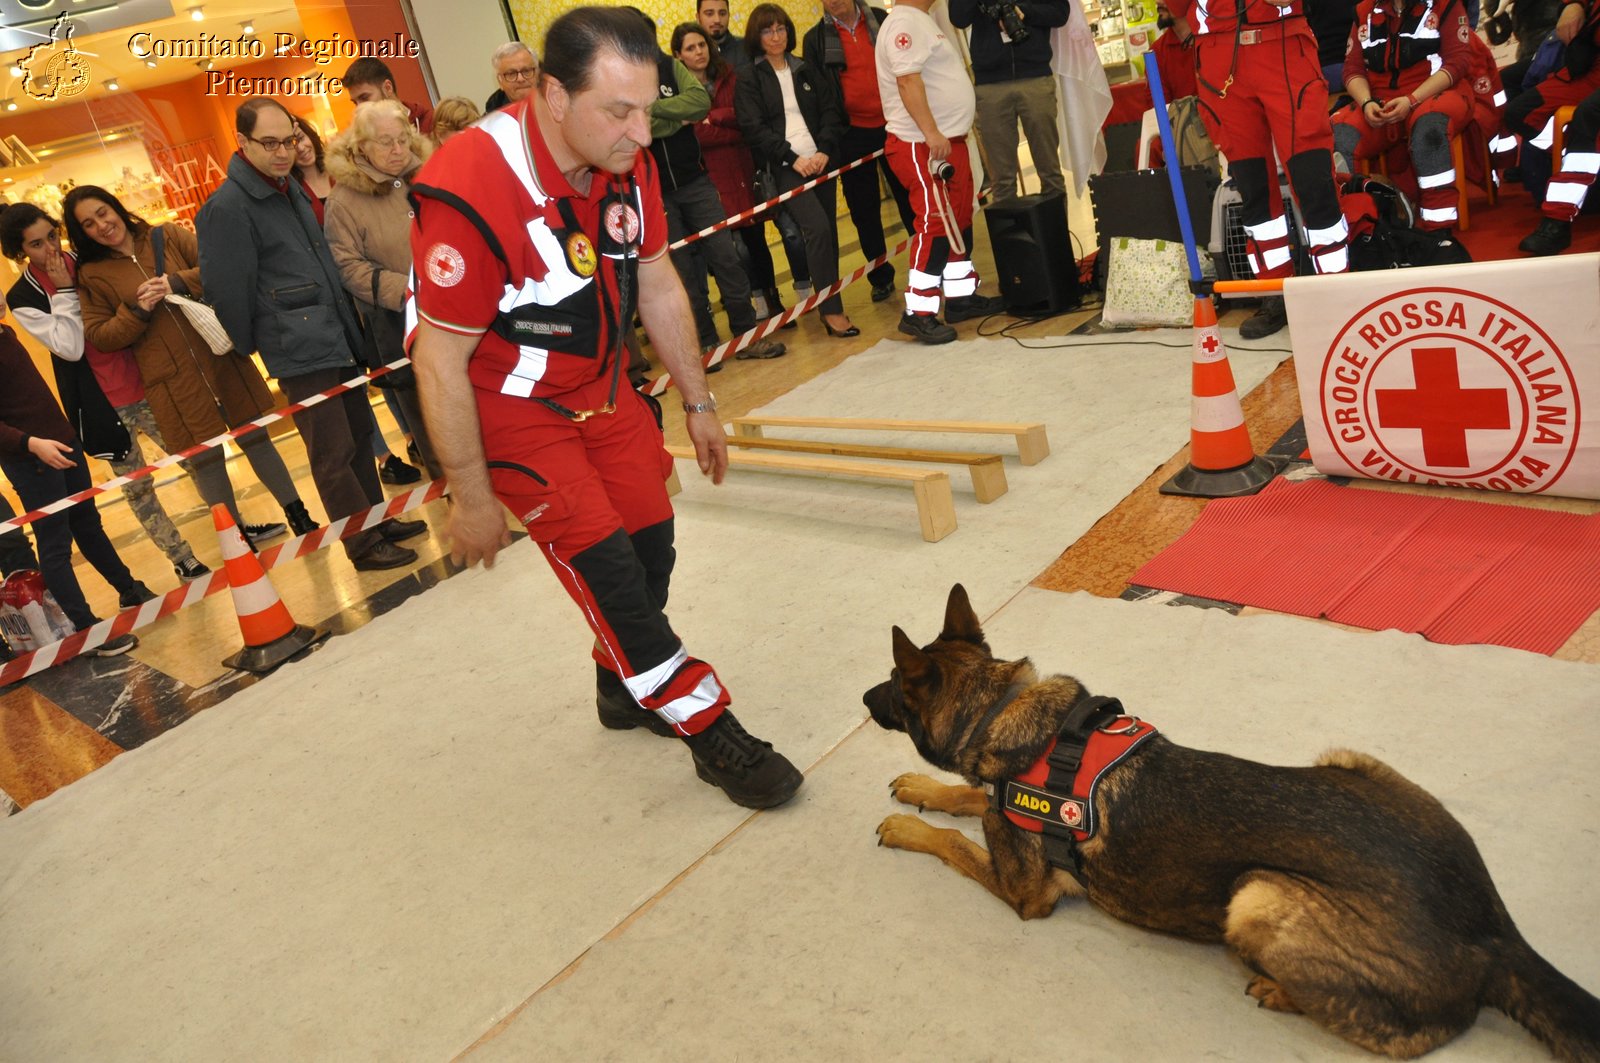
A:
x,y
1271,94
935,266
1532,116
1438,188
593,495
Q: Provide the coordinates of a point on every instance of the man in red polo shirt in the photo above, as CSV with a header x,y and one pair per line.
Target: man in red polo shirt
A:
x,y
842,45
538,233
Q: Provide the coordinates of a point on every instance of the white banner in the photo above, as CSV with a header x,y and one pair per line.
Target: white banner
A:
x,y
1484,375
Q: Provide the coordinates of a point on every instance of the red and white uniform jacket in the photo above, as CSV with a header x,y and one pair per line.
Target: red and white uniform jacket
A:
x,y
1397,45
504,248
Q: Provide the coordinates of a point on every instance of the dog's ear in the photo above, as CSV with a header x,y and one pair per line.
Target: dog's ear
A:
x,y
913,664
960,622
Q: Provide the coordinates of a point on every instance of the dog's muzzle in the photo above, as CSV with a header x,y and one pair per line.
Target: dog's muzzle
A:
x,y
886,702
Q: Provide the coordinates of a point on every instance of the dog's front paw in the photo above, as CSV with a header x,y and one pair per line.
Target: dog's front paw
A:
x,y
1270,995
914,788
901,831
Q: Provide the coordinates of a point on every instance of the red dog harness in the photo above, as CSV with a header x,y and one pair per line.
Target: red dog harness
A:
x,y
1055,797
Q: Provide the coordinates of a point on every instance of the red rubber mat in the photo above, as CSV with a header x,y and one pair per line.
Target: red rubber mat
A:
x,y
1457,572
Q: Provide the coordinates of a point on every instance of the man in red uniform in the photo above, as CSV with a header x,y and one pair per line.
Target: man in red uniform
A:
x,y
1408,75
928,109
1262,94
1531,115
1174,54
538,232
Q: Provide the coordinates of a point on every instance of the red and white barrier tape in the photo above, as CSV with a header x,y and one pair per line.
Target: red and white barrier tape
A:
x,y
200,448
774,201
773,324
81,642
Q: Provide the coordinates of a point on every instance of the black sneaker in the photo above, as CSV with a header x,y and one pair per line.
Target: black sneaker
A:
x,y
1551,237
190,569
747,769
619,712
260,532
395,471
968,307
880,292
1272,317
137,594
927,328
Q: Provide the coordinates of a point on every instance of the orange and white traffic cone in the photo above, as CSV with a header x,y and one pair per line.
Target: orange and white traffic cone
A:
x,y
270,634
1221,463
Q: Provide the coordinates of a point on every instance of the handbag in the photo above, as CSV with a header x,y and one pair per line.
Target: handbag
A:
x,y
202,317
763,186
383,341
1147,284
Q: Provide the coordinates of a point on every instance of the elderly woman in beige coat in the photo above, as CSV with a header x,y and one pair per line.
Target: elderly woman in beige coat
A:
x,y
193,393
368,222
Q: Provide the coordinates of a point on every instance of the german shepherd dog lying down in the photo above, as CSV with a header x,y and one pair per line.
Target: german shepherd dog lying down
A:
x,y
1353,895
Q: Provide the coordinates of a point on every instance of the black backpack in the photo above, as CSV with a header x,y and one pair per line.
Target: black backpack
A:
x,y
1383,232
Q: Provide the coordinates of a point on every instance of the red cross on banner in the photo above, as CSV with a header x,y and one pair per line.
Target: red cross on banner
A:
x,y
1443,409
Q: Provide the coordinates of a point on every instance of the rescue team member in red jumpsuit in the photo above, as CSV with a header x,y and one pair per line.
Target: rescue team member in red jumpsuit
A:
x,y
928,107
1262,91
1532,116
538,232
1408,74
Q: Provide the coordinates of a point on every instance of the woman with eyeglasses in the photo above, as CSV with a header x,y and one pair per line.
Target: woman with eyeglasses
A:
x,y
793,122
369,232
193,393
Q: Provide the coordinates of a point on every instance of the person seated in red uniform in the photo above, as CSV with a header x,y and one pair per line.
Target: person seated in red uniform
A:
x,y
1262,95
1407,71
1531,115
538,232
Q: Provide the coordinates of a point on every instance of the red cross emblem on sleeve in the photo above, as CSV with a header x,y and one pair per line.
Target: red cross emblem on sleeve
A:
x,y
446,266
902,41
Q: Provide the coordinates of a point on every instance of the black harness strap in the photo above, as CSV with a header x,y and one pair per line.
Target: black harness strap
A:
x,y
1045,805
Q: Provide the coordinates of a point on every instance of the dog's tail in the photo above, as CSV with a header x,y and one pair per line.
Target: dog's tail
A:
x,y
1554,1008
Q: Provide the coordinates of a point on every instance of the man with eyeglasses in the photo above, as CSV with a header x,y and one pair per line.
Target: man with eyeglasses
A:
x,y
370,79
266,269
516,68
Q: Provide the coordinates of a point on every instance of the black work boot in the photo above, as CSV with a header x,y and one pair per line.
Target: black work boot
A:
x,y
927,328
1264,322
1551,237
618,710
747,769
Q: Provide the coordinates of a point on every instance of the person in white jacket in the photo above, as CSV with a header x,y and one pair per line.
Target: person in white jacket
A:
x,y
45,303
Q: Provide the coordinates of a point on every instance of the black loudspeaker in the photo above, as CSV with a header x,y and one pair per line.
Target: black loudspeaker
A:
x,y
1033,255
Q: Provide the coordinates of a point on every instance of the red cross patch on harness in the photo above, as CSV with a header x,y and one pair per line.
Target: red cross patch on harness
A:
x,y
902,41
446,267
622,223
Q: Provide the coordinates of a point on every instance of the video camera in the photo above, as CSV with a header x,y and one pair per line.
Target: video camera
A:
x,y
1006,15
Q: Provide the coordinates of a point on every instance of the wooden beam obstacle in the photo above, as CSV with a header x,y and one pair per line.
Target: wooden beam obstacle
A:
x,y
1032,444
936,508
988,474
